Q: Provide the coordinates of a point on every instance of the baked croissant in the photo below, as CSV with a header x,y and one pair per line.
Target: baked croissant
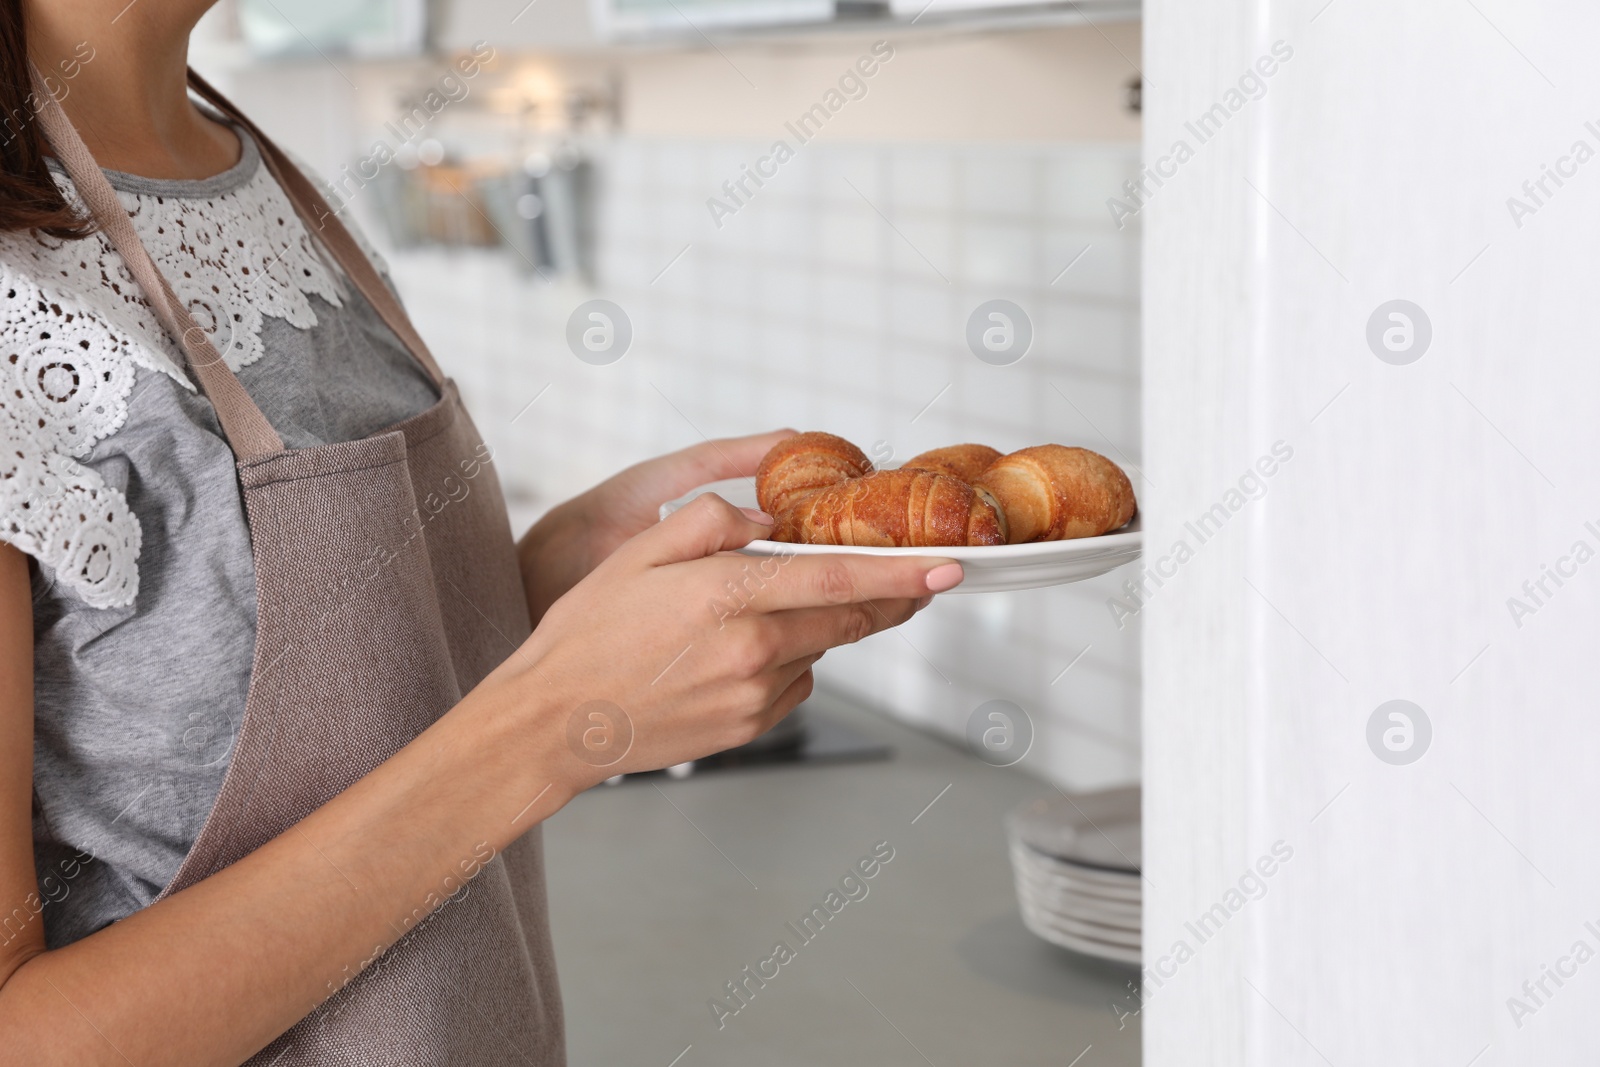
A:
x,y
1052,492
959,461
802,464
890,509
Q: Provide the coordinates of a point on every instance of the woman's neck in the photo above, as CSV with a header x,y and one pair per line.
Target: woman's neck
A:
x,y
129,99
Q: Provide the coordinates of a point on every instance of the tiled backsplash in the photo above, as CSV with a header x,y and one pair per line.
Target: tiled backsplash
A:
x,y
837,298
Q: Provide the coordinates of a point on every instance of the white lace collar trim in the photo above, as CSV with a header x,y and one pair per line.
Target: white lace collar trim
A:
x,y
76,325
231,246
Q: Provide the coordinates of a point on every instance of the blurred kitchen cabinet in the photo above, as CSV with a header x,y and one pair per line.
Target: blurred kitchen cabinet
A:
x,y
580,24
665,19
510,24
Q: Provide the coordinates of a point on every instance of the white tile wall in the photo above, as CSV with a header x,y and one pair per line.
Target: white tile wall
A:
x,y
823,306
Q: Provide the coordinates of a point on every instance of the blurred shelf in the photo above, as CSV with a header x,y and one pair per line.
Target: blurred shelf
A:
x,y
567,25
931,21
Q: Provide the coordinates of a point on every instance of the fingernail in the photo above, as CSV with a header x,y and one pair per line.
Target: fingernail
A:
x,y
758,516
945,576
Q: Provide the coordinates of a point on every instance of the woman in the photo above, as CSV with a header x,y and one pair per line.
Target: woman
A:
x,y
275,682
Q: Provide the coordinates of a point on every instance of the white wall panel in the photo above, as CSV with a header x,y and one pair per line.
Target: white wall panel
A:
x,y
1378,565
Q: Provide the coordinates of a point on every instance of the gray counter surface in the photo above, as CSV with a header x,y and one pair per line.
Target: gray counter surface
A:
x,y
662,891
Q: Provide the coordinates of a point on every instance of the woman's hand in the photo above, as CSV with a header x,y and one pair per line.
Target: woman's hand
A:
x,y
573,538
674,648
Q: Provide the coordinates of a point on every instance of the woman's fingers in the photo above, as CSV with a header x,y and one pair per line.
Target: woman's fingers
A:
x,y
638,490
784,675
771,685
781,583
734,457
802,632
788,700
705,526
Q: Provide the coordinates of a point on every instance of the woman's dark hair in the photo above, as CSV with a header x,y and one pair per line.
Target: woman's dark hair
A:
x,y
29,198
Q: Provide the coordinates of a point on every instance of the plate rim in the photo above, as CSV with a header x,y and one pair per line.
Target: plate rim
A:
x,y
1082,945
1111,877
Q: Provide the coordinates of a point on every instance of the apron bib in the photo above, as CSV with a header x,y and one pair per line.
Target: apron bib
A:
x,y
388,586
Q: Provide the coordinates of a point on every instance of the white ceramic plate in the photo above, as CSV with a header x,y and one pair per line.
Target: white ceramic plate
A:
x,y
1072,899
1087,877
1088,930
1099,830
1083,909
1109,913
1039,871
1051,930
989,569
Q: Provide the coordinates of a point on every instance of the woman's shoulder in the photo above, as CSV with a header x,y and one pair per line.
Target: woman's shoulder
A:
x,y
73,330
67,368
52,288
338,205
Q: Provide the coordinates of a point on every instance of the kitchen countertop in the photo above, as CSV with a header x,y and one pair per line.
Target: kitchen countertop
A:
x,y
662,891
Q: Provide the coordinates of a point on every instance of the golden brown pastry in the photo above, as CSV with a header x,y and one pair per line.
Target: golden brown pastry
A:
x,y
1052,493
898,508
804,463
959,461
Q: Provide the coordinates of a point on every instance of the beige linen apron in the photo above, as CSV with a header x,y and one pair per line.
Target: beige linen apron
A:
x,y
387,586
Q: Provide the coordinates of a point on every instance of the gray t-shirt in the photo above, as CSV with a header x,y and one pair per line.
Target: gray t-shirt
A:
x,y
138,702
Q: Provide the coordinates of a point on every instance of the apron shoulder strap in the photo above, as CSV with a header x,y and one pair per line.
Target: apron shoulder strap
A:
x,y
247,429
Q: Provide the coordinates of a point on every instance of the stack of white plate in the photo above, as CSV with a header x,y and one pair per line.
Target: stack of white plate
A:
x,y
1076,860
